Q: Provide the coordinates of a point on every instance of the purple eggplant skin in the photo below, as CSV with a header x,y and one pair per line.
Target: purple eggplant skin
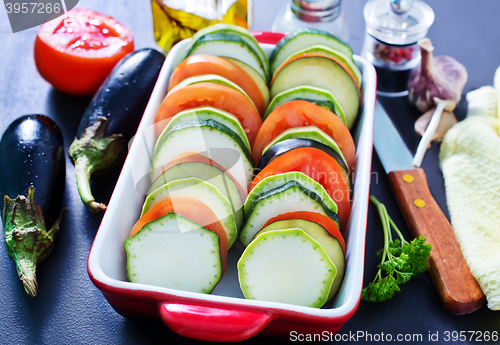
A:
x,y
112,118
290,144
32,154
123,96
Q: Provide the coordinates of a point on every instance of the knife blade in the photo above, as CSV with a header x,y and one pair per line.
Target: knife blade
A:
x,y
457,288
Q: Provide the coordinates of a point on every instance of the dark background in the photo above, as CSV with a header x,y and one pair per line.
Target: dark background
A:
x,y
70,309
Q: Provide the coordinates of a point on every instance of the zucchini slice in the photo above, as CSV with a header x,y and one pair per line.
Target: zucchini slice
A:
x,y
229,45
203,191
288,197
286,266
321,72
212,140
210,78
212,124
303,38
330,244
316,95
275,183
205,114
208,171
176,253
259,80
242,33
335,55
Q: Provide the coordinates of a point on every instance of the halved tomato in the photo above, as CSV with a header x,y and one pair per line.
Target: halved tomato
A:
x,y
299,114
214,95
208,64
191,209
319,166
77,51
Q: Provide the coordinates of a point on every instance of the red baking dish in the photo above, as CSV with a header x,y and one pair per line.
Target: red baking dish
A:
x,y
225,315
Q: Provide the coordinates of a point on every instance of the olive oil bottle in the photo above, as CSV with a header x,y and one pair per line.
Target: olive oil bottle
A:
x,y
175,20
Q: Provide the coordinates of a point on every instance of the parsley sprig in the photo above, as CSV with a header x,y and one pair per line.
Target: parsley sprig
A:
x,y
399,260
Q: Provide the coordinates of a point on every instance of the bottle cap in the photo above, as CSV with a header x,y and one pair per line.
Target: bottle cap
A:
x,y
316,10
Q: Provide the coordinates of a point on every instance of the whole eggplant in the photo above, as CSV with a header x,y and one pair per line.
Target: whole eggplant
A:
x,y
112,118
32,180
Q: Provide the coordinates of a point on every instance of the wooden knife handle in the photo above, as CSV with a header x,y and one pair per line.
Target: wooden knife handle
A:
x,y
457,288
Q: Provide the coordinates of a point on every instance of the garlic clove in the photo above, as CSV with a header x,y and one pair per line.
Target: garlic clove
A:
x,y
432,127
447,121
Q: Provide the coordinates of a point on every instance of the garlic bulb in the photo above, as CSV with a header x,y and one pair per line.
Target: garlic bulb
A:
x,y
440,76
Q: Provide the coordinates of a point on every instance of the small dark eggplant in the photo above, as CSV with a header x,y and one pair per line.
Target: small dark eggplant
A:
x,y
32,180
112,118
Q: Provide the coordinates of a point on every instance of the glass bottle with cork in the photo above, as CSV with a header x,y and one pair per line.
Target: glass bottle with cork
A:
x,y
175,20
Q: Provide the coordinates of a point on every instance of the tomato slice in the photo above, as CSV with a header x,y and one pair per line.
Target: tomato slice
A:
x,y
299,114
214,95
318,218
208,64
77,51
319,166
191,209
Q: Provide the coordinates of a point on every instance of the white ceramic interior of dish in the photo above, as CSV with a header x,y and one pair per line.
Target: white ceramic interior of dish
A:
x,y
107,258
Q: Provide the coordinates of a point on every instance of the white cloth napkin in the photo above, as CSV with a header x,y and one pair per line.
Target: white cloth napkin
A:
x,y
470,161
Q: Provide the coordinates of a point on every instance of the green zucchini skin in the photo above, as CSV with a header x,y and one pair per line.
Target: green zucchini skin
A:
x,y
32,154
333,215
218,126
123,96
306,31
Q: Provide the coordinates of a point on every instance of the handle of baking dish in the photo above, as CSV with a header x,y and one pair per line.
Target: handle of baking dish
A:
x,y
213,323
267,37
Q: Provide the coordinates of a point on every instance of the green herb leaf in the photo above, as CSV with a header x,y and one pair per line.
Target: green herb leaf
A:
x,y
418,252
399,260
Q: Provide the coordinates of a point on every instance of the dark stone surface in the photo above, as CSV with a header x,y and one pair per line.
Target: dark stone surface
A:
x,y
71,310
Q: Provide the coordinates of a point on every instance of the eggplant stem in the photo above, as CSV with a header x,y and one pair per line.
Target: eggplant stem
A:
x,y
82,172
27,240
92,154
26,270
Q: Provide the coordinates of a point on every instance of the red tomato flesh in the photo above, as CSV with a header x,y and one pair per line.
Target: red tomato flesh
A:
x,y
302,113
213,95
77,51
208,64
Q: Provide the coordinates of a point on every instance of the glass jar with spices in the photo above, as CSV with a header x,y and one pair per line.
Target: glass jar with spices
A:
x,y
393,28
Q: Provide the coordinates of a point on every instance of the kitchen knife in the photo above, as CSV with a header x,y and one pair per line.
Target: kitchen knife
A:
x,y
457,288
